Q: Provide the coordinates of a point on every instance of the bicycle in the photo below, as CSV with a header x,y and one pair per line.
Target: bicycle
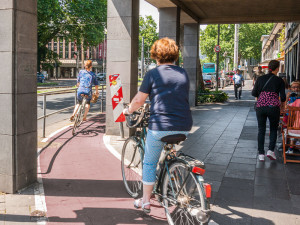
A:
x,y
179,187
79,114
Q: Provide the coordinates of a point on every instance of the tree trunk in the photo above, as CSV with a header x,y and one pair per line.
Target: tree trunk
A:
x,y
200,82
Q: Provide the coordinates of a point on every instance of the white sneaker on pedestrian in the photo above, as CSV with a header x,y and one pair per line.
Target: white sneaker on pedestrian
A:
x,y
261,157
271,155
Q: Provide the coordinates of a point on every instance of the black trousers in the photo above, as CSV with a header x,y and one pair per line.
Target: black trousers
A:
x,y
273,114
238,88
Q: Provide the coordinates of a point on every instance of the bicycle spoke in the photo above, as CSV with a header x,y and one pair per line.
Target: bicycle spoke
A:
x,y
182,196
132,167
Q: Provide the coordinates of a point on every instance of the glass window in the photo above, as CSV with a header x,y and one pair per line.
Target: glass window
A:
x,y
67,49
61,48
72,50
50,46
55,47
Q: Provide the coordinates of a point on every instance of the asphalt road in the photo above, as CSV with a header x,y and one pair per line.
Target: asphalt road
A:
x,y
60,101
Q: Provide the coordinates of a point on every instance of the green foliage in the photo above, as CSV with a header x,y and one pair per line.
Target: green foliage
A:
x,y
249,41
207,96
47,84
282,39
74,19
148,29
50,17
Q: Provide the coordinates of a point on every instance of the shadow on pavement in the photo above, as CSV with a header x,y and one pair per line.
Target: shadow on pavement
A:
x,y
108,216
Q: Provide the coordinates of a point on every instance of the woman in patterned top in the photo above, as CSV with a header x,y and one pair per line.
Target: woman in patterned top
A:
x,y
267,89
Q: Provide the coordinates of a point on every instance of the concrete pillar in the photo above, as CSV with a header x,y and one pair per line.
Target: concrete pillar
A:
x,y
18,120
122,52
169,23
191,57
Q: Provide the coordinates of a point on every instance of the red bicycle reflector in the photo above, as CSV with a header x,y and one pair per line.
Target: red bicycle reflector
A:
x,y
198,170
207,190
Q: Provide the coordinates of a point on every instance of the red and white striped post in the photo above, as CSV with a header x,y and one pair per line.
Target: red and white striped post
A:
x,y
117,100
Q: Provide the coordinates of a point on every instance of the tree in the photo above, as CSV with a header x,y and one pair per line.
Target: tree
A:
x,y
80,20
249,41
50,18
148,30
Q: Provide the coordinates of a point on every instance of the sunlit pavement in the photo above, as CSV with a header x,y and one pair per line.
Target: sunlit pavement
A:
x,y
83,184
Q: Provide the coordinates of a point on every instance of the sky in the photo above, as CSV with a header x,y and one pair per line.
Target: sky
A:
x,y
147,9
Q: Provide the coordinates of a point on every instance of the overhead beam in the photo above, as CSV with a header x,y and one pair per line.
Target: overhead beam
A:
x,y
185,9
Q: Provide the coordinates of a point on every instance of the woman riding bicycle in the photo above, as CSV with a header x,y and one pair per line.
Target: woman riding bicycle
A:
x,y
85,81
168,89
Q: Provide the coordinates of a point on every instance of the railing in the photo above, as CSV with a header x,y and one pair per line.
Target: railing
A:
x,y
64,91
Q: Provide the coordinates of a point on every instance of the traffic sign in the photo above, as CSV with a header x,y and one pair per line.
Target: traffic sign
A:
x,y
217,48
117,97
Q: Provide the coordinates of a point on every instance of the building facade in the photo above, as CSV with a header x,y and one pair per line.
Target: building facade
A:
x,y
70,57
283,44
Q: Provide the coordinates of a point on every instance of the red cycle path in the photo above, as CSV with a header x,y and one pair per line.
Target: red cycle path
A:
x,y
83,183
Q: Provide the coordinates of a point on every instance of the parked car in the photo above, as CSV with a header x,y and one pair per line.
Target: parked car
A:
x,y
230,75
40,78
101,76
207,80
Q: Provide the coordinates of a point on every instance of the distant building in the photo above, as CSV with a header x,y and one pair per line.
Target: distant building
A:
x,y
289,55
68,53
271,48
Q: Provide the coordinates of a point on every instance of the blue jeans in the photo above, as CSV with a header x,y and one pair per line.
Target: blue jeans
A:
x,y
153,149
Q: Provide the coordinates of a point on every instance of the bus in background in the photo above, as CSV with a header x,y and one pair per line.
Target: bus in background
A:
x,y
209,68
208,71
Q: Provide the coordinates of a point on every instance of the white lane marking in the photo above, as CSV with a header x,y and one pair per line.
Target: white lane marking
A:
x,y
106,140
39,193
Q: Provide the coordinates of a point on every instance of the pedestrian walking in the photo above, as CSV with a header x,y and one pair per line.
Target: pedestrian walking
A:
x,y
267,89
238,81
258,74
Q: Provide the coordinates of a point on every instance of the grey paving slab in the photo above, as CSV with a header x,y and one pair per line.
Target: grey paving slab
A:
x,y
240,174
250,155
224,149
213,175
243,160
271,188
218,158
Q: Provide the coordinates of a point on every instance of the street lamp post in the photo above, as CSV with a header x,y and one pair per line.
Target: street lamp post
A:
x,y
217,71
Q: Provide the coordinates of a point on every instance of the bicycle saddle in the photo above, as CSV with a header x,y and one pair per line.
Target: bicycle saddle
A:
x,y
174,139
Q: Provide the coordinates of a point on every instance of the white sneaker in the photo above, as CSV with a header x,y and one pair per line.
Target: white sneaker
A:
x,y
289,151
271,155
261,157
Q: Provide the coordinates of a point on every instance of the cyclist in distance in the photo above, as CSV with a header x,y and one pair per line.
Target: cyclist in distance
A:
x,y
167,86
85,81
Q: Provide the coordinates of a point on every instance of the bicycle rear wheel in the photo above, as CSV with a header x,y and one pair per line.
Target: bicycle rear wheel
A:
x,y
78,119
183,196
131,164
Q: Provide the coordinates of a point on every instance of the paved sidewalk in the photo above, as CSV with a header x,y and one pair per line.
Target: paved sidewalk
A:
x,y
83,185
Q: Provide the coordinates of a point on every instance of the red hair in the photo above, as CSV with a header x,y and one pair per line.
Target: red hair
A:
x,y
88,64
165,50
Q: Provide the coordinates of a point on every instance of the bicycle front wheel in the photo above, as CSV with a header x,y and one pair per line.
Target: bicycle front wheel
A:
x,y
77,120
131,164
183,196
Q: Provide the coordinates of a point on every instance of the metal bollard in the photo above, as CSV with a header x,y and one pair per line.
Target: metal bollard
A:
x,y
121,129
75,97
44,114
102,97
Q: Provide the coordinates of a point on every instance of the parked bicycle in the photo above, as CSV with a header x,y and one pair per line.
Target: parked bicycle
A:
x,y
179,188
79,114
